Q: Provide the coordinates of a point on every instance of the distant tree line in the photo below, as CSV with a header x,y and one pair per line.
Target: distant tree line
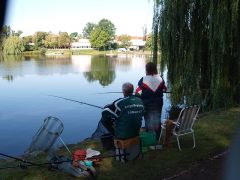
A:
x,y
101,36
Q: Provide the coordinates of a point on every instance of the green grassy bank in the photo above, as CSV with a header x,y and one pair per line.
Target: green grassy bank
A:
x,y
213,132
83,52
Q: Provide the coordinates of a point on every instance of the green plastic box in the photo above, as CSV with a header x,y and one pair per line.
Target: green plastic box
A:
x,y
147,139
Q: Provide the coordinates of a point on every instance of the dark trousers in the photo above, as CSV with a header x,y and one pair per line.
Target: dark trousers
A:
x,y
152,117
108,124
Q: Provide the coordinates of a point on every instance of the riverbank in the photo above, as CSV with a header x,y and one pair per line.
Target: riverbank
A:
x,y
94,52
213,133
67,52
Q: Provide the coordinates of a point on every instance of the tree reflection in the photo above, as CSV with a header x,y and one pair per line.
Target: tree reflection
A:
x,y
9,78
102,69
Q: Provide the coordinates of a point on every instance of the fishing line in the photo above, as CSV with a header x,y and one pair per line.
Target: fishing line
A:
x,y
76,101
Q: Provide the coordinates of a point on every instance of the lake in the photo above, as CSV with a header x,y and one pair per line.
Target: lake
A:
x,y
27,82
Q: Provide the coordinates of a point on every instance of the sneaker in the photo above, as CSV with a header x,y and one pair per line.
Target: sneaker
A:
x,y
156,147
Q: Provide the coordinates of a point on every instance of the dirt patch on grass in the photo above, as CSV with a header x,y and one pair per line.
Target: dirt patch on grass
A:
x,y
210,169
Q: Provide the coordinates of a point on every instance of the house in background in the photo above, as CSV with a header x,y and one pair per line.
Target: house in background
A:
x,y
81,44
137,43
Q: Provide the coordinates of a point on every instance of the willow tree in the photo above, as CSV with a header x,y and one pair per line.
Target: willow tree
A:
x,y
155,29
200,42
13,45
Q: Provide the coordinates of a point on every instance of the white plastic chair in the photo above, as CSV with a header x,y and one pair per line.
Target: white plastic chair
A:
x,y
184,124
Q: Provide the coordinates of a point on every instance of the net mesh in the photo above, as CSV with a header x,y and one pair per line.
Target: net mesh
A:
x,y
46,136
101,130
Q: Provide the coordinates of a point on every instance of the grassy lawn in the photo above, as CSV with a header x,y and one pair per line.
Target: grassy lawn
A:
x,y
213,133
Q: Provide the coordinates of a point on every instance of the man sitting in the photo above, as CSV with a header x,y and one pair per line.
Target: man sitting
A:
x,y
123,118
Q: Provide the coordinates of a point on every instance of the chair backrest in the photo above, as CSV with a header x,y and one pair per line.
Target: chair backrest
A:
x,y
186,119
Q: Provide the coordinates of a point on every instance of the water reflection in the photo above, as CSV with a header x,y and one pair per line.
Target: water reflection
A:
x,y
82,63
24,104
102,70
9,78
94,68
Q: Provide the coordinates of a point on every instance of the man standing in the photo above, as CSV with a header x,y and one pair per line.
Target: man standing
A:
x,y
150,89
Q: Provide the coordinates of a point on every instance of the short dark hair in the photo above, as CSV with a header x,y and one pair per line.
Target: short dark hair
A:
x,y
151,68
127,88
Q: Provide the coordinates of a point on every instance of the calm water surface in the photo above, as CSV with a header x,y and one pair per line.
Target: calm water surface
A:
x,y
26,82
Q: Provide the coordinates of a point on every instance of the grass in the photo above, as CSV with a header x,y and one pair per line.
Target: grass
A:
x,y
213,134
84,52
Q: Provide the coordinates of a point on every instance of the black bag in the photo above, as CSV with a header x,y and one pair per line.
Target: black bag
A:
x,y
107,141
174,112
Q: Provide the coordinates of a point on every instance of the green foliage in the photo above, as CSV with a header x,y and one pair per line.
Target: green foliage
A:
x,y
27,40
43,50
73,36
99,38
102,71
155,27
103,34
51,41
200,44
124,40
5,32
211,139
108,27
149,42
89,27
57,41
63,40
38,39
13,45
18,33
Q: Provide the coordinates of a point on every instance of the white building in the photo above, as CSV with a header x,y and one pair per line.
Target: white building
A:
x,y
81,44
137,44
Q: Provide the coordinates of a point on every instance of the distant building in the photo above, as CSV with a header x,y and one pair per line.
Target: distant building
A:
x,y
81,44
137,43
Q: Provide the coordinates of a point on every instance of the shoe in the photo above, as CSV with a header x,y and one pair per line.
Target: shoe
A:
x,y
156,147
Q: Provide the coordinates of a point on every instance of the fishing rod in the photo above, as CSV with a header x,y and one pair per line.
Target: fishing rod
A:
x,y
76,101
24,164
116,92
18,159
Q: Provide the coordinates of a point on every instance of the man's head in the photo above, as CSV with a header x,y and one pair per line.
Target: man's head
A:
x,y
127,89
151,68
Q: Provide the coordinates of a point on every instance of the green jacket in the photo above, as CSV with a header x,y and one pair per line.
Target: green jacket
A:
x,y
127,114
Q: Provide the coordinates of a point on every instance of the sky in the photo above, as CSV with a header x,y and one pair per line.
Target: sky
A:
x,y
29,16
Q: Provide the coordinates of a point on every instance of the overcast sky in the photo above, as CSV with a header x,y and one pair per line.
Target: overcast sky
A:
x,y
128,16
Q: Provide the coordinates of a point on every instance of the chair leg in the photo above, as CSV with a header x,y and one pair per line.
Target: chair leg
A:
x,y
193,140
124,156
159,139
178,144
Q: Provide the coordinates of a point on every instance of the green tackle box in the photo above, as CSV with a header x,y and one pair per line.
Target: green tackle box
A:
x,y
147,139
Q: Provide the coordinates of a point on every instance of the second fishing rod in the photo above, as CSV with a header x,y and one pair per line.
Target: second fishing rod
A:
x,y
88,104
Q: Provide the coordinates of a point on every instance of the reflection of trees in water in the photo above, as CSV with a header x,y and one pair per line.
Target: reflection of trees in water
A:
x,y
123,63
16,65
8,63
102,69
11,58
53,60
9,78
